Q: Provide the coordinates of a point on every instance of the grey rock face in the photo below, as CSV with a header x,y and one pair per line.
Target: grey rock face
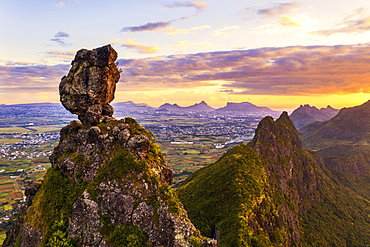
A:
x,y
90,84
85,222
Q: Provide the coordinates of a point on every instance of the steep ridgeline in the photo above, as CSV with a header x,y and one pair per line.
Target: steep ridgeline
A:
x,y
306,114
274,193
108,184
346,134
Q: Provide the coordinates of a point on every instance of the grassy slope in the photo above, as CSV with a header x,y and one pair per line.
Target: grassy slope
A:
x,y
227,195
332,214
346,134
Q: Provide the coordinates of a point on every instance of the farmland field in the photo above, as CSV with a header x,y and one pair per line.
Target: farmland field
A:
x,y
11,130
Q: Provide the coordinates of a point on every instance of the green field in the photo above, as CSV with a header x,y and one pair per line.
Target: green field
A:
x,y
11,130
47,128
11,141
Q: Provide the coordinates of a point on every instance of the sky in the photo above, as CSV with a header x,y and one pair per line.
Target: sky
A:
x,y
278,54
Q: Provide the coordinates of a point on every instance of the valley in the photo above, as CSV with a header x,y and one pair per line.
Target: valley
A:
x,y
188,141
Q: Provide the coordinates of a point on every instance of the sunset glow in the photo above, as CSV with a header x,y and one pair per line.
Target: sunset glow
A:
x,y
274,54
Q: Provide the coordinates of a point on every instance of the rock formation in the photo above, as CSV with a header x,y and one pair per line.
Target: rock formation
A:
x,y
90,84
108,184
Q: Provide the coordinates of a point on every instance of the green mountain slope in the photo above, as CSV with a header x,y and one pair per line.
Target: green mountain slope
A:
x,y
286,193
229,196
346,134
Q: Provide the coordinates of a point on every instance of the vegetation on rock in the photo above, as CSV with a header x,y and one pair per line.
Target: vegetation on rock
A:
x,y
298,201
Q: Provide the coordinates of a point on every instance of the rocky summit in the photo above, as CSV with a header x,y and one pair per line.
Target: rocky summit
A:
x,y
109,184
90,84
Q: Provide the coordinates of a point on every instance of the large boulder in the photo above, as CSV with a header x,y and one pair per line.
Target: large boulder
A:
x,y
90,84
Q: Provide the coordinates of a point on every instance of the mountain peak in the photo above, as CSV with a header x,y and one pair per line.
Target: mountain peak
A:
x,y
306,114
245,107
281,132
202,106
343,135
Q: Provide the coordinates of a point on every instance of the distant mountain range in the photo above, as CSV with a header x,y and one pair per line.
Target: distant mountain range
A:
x,y
202,106
131,106
198,107
245,107
346,134
306,114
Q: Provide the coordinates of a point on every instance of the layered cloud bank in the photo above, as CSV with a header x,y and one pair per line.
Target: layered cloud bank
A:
x,y
296,70
286,71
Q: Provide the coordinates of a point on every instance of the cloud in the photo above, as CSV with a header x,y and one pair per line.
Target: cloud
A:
x,y
18,77
302,23
171,30
150,26
64,55
59,5
144,49
279,9
289,21
295,70
225,31
199,6
181,45
358,22
59,38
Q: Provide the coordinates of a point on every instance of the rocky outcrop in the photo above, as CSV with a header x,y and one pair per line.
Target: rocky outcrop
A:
x,y
289,170
109,184
90,84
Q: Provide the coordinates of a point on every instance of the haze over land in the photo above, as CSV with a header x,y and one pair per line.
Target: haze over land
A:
x,y
275,54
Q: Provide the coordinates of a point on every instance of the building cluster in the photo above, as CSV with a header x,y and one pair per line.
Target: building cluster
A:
x,y
22,149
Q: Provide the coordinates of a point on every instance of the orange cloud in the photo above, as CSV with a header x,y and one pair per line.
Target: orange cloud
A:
x,y
296,70
144,49
313,71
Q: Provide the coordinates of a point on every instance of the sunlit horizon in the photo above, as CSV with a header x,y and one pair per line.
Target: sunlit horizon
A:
x,y
275,54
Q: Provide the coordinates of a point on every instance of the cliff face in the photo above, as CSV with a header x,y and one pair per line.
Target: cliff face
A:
x,y
108,184
291,173
295,200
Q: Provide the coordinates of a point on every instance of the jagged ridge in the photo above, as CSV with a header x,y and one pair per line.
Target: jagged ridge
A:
x,y
304,205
